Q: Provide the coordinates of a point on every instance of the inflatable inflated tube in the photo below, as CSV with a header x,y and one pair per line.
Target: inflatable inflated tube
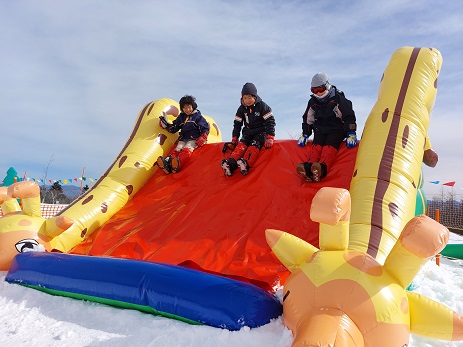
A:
x,y
172,291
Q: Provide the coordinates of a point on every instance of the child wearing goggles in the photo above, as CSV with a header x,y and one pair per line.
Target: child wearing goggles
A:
x,y
331,118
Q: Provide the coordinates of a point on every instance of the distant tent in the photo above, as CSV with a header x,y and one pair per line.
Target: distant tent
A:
x,y
11,177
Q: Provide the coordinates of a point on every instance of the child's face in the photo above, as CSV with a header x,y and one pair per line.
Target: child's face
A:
x,y
188,109
249,100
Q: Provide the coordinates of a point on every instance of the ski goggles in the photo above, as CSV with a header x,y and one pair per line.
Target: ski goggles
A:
x,y
319,89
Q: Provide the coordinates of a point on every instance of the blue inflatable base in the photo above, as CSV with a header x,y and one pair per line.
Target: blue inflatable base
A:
x,y
169,290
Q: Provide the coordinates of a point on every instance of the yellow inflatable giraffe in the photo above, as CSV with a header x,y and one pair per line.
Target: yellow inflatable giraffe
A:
x,y
351,291
24,229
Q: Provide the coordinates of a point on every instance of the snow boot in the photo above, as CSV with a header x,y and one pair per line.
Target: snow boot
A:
x,y
243,165
304,170
164,164
229,166
319,171
175,164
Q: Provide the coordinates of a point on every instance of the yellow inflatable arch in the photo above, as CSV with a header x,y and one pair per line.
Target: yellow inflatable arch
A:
x,y
129,172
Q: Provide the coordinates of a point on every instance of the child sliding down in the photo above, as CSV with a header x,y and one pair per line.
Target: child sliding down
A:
x,y
194,130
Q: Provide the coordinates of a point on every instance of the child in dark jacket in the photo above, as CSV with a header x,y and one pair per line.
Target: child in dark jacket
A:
x,y
330,116
194,130
256,119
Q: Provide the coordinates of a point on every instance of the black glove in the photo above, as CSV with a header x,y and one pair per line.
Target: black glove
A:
x,y
228,146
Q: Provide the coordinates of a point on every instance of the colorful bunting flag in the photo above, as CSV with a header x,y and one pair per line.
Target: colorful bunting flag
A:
x,y
450,184
62,181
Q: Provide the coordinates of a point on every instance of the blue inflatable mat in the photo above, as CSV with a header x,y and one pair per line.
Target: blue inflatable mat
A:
x,y
169,290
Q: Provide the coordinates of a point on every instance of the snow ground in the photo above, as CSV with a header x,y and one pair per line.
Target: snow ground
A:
x,y
35,319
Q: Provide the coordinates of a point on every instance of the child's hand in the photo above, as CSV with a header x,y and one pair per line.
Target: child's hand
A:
x,y
163,122
269,141
303,140
201,141
351,140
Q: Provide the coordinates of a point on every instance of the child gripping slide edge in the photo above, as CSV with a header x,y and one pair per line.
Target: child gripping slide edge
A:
x,y
194,130
255,122
331,118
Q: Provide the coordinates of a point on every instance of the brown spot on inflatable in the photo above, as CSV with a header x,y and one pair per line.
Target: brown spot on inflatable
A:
x,y
355,173
216,128
162,139
104,207
384,115
122,160
172,110
430,158
405,135
137,164
83,233
87,200
129,189
393,209
413,184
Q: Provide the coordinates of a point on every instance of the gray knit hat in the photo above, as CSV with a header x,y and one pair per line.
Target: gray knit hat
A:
x,y
319,79
249,89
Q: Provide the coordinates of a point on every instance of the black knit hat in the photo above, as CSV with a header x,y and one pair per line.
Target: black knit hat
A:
x,y
249,89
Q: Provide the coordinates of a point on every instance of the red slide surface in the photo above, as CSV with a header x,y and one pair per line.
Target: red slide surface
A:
x,y
201,219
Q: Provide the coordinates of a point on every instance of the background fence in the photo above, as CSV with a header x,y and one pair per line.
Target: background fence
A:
x,y
48,210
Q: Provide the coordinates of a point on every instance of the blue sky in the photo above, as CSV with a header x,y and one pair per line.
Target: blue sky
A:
x,y
75,74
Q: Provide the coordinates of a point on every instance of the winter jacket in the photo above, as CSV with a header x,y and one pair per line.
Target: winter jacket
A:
x,y
333,113
191,127
254,119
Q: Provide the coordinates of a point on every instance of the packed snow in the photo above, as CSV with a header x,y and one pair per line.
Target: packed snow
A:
x,y
32,318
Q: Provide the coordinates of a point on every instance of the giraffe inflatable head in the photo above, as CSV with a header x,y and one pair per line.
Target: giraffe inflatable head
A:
x,y
23,229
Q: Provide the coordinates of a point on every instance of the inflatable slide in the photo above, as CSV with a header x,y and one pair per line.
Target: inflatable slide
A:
x,y
197,218
355,253
201,219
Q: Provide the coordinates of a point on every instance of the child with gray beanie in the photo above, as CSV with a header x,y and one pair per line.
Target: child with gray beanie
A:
x,y
331,118
256,119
